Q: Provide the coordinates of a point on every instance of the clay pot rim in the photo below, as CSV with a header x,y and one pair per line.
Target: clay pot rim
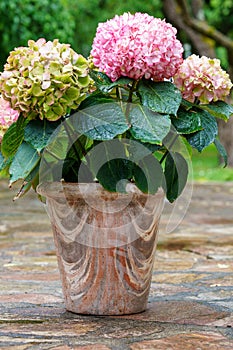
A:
x,y
57,189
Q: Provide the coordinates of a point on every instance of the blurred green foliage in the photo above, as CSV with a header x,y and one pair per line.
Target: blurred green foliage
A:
x,y
206,166
219,14
22,20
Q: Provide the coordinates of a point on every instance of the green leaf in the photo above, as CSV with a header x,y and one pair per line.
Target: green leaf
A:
x,y
70,170
148,126
23,190
54,154
221,149
24,162
4,165
176,173
32,180
94,99
135,150
207,135
122,82
104,83
161,97
99,77
148,175
38,132
219,109
100,122
186,122
13,137
115,174
63,154
187,105
2,162
72,162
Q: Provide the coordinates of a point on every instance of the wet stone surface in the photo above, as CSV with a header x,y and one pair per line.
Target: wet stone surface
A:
x,y
191,297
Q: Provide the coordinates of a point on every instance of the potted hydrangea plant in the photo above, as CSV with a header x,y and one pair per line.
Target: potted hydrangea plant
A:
x,y
108,138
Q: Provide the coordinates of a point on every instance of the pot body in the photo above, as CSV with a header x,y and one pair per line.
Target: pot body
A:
x,y
105,244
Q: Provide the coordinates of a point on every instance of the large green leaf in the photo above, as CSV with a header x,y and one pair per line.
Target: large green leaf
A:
x,y
13,137
148,126
219,109
176,173
207,135
24,162
100,122
186,122
161,97
38,132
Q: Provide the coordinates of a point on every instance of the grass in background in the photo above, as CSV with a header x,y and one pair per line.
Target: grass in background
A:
x,y
206,167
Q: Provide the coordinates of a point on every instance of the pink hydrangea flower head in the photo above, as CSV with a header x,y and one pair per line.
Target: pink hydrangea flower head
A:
x,y
202,78
7,116
137,45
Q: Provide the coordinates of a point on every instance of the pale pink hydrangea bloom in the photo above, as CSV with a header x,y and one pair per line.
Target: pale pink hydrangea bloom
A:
x,y
202,78
137,46
7,116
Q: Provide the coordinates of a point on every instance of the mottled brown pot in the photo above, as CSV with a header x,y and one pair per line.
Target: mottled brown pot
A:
x,y
105,245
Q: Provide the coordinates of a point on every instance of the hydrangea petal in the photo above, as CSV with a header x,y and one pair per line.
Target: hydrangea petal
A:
x,y
202,78
7,116
33,73
137,46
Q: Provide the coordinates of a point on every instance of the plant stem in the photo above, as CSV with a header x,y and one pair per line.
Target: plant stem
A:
x,y
130,99
131,91
118,92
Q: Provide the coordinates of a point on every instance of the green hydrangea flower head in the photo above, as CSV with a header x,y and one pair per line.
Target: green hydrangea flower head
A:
x,y
44,79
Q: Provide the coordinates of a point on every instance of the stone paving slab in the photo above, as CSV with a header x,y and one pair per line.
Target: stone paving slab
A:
x,y
191,298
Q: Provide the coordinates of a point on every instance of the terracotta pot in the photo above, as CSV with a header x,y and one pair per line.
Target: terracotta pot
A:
x,y
105,245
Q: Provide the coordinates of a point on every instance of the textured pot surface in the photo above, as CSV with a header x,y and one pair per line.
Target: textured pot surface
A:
x,y
105,245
